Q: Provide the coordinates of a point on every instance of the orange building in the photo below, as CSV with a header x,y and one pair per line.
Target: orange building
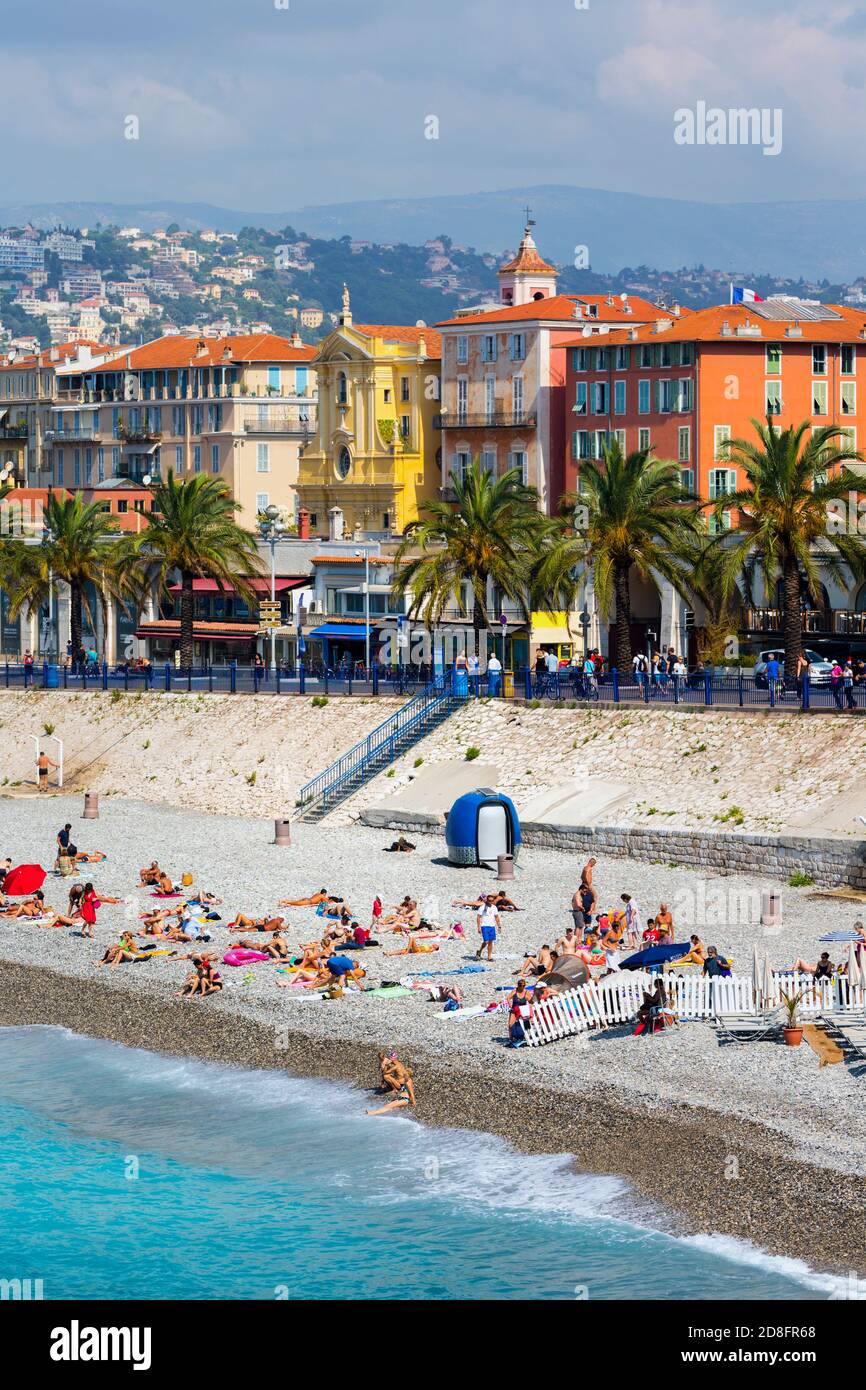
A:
x,y
683,385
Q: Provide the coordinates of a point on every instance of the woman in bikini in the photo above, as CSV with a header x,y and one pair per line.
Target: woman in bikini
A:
x,y
323,896
696,955
123,950
242,923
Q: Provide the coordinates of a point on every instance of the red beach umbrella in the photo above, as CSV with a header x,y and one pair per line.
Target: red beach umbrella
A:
x,y
24,879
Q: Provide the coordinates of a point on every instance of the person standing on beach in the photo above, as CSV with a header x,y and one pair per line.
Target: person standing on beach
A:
x,y
43,764
488,924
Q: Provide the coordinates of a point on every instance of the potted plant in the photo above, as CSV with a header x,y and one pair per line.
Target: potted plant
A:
x,y
793,1029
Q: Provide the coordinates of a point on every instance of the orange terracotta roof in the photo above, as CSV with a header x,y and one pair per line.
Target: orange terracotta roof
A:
x,y
527,260
561,308
67,353
705,326
178,351
403,333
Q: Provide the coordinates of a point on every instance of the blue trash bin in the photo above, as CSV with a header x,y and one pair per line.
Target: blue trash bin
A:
x,y
494,683
52,677
461,681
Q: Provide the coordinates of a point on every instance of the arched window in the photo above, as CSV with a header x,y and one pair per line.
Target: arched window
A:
x,y
344,462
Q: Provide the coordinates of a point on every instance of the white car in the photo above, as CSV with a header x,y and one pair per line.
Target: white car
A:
x,y
819,666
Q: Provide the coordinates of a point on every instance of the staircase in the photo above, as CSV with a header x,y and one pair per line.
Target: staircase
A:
x,y
412,722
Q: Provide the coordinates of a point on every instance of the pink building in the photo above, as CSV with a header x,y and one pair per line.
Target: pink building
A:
x,y
504,370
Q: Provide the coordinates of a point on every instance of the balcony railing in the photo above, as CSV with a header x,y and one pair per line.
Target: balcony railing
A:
x,y
17,431
279,424
84,434
770,620
129,435
494,419
848,623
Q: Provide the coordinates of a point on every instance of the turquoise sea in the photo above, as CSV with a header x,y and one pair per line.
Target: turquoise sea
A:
x,y
128,1174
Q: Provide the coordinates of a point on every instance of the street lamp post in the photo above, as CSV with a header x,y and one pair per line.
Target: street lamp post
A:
x,y
584,620
270,531
504,625
366,554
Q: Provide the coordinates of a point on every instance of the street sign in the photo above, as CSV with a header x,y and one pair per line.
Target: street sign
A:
x,y
270,614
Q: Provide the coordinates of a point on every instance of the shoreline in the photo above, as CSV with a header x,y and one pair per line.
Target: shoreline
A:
x,y
691,1171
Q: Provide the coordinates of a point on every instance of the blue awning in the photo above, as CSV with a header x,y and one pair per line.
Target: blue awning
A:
x,y
344,630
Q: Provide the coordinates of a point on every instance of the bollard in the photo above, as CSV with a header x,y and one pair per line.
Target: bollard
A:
x,y
91,806
282,832
771,908
504,867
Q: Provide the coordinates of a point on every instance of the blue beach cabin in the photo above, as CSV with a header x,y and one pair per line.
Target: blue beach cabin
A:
x,y
482,825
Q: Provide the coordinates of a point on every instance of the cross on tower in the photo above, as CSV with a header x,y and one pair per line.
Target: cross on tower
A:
x,y
530,220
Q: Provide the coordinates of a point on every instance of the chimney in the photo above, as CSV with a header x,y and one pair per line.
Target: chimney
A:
x,y
335,524
303,524
296,340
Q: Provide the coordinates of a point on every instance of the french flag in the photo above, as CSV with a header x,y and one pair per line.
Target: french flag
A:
x,y
740,294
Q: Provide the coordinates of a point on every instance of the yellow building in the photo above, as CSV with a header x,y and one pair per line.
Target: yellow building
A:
x,y
376,452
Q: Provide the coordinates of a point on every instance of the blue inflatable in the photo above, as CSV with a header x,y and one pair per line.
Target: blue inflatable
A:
x,y
482,825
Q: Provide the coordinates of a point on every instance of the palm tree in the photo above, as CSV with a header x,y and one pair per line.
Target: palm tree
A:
x,y
632,511
490,534
77,550
790,522
193,532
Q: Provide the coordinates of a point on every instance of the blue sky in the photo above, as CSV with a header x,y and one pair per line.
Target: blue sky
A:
x,y
251,106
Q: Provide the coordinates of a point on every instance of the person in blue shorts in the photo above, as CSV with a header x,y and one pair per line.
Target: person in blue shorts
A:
x,y
488,924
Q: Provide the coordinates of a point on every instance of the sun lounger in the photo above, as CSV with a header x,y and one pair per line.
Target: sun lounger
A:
x,y
852,1037
745,1028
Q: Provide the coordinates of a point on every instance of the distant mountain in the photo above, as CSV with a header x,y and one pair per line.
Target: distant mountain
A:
x,y
813,239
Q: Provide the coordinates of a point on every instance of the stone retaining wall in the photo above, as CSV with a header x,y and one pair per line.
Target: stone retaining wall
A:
x,y
831,863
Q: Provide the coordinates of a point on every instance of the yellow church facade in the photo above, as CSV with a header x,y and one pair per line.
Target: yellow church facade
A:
x,y
376,453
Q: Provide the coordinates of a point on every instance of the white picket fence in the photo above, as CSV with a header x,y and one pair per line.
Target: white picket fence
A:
x,y
603,1003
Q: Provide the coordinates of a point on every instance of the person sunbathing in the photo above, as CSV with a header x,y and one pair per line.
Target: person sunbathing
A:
x,y
323,896
400,846
277,948
397,1081
335,908
243,923
696,955
34,906
823,969
205,898
203,981
406,914
123,950
86,856
536,965
151,875
501,902
165,885
414,947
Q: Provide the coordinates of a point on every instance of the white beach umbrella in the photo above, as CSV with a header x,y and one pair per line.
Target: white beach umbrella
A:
x,y
768,984
757,981
854,976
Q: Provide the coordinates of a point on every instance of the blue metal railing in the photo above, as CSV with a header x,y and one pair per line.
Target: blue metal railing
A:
x,y
382,745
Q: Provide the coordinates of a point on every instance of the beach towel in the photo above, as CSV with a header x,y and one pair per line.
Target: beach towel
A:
x,y
458,970
396,992
840,936
166,895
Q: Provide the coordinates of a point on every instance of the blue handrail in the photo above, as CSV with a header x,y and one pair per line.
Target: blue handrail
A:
x,y
411,716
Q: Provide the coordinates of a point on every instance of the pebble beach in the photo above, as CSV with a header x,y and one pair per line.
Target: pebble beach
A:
x,y
778,1143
